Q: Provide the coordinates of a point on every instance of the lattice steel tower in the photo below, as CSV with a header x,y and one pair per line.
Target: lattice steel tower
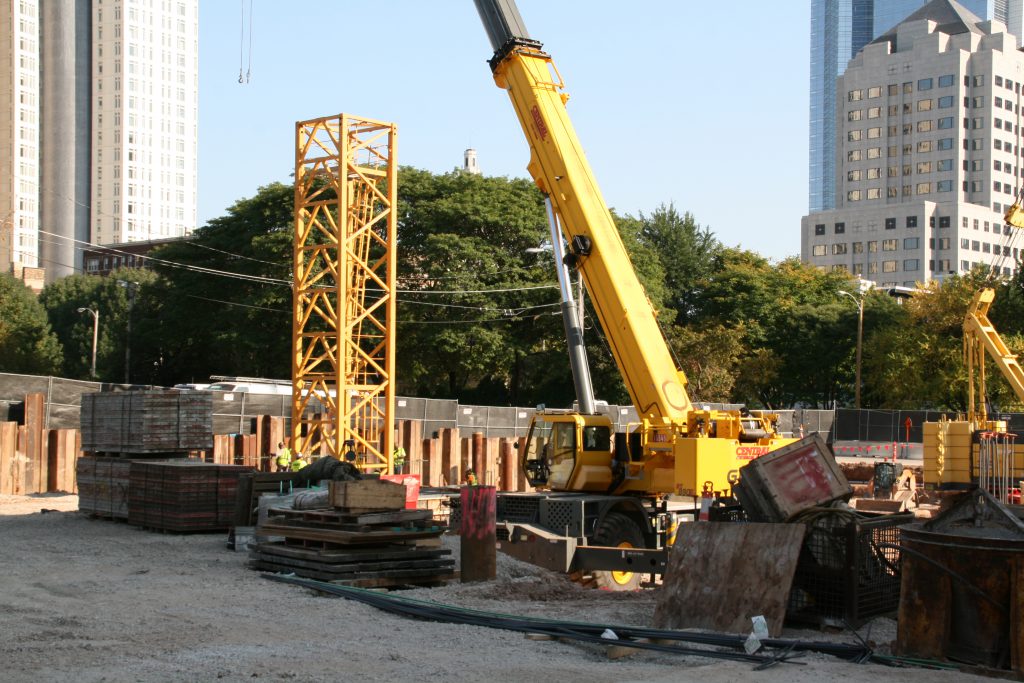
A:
x,y
343,319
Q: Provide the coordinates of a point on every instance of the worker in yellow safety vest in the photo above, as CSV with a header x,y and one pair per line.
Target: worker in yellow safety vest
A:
x,y
284,457
298,463
398,459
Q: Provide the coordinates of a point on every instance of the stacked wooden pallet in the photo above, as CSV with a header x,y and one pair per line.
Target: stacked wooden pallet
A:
x,y
147,422
183,495
365,540
103,486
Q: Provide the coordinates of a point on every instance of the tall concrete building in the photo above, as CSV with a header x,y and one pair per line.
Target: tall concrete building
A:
x,y
98,119
839,30
144,119
19,134
928,152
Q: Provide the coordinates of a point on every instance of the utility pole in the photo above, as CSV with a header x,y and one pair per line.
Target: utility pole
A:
x,y
131,287
860,341
95,334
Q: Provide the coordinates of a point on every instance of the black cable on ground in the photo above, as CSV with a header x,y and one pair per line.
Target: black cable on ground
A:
x,y
591,633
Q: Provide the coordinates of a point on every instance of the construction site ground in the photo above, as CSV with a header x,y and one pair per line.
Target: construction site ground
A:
x,y
85,599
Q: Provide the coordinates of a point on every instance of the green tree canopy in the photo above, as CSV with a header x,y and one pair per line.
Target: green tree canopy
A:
x,y
27,344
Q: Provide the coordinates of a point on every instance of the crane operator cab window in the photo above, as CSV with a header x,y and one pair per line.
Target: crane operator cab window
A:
x,y
550,453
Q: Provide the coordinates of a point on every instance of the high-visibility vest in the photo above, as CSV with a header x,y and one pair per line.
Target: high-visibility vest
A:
x,y
284,457
298,464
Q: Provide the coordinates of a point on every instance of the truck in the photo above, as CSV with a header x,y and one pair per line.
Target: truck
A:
x,y
608,502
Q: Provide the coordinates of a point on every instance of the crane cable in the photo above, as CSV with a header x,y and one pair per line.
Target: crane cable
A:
x,y
244,72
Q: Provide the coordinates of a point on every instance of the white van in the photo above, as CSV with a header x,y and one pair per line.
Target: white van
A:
x,y
250,385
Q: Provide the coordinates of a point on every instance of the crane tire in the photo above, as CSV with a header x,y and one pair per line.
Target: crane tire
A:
x,y
618,531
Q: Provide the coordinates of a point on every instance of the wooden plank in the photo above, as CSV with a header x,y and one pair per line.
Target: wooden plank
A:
x,y
35,444
491,472
341,555
355,566
412,442
341,537
368,493
8,456
719,575
432,469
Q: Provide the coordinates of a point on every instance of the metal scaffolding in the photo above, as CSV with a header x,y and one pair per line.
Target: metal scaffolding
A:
x,y
343,319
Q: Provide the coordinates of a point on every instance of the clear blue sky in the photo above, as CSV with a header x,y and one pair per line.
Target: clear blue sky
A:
x,y
703,104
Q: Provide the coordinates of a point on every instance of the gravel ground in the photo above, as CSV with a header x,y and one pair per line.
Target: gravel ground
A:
x,y
94,600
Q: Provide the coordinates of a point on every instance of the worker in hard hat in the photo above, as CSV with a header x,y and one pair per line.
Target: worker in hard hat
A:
x,y
299,462
284,458
398,459
471,479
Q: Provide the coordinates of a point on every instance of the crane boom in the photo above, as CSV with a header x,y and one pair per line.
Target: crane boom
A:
x,y
561,171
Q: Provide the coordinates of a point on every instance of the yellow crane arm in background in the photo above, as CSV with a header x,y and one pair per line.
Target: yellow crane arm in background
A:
x,y
981,336
560,169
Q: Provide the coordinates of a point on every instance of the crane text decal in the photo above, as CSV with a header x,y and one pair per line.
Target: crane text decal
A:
x,y
542,129
750,452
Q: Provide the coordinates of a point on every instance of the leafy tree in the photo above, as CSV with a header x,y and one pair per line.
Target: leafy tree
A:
x,y
686,252
207,322
27,344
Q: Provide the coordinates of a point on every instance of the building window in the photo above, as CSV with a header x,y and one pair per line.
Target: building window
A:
x,y
943,243
944,221
890,223
874,193
874,152
924,167
946,102
840,228
946,81
911,264
911,242
874,173
853,136
894,90
858,247
854,95
944,186
979,80
873,247
819,229
944,165
924,105
854,115
819,250
945,143
924,188
965,243
924,126
889,266
874,112
890,245
911,221
840,248
874,133
946,122
853,155
924,84
872,268
874,92
975,245
924,146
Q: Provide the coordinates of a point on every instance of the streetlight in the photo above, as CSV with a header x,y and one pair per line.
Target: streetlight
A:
x,y
131,287
860,337
95,334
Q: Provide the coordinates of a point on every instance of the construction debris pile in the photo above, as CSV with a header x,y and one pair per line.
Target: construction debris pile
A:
x,y
364,538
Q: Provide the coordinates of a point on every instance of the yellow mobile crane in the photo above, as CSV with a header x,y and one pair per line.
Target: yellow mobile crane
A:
x,y
614,484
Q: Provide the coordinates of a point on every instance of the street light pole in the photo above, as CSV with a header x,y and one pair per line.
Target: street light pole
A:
x,y
95,334
131,287
860,340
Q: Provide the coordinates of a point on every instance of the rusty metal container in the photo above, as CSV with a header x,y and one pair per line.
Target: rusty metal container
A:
x,y
962,591
798,476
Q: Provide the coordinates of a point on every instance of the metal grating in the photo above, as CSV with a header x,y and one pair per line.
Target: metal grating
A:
x,y
844,573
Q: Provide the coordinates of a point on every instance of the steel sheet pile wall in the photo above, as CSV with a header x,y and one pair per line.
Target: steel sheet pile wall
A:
x,y
34,459
183,496
147,422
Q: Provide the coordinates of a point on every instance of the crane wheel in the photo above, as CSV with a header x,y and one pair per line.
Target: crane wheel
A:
x,y
618,531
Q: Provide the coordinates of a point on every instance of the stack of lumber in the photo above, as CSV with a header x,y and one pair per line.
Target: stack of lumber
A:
x,y
183,495
365,539
103,486
147,422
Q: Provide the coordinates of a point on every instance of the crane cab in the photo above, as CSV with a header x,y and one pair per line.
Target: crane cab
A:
x,y
567,451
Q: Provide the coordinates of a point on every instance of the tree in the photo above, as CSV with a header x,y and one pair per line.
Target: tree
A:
x,y
686,252
27,344
64,297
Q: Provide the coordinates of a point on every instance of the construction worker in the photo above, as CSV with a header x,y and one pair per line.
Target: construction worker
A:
x,y
284,457
299,462
398,459
471,478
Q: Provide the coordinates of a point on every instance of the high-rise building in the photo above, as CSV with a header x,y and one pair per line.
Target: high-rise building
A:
x,y
19,134
929,152
839,29
144,119
98,119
